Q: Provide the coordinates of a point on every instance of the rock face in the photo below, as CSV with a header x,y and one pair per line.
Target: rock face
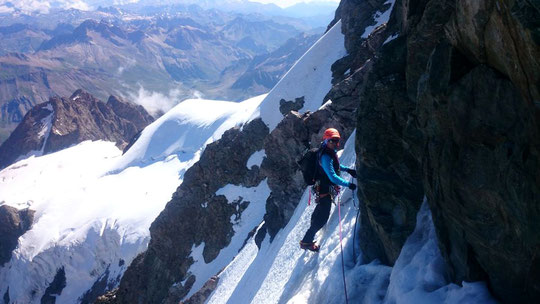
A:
x,y
55,288
450,110
13,224
286,106
63,122
130,112
201,296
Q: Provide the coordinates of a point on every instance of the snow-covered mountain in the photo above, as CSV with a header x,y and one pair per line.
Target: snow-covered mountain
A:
x,y
208,204
94,205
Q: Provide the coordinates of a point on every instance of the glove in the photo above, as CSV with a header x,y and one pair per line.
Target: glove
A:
x,y
352,172
352,186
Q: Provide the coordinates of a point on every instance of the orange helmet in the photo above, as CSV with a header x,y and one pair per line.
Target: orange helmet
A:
x,y
330,133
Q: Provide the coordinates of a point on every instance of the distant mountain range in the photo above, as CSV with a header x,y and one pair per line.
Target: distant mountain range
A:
x,y
299,10
115,51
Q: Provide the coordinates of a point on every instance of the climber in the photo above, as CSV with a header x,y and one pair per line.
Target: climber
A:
x,y
326,185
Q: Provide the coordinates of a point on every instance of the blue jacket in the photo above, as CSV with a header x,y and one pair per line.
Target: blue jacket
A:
x,y
327,163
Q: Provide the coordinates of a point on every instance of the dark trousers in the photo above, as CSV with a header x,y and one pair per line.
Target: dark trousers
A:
x,y
318,218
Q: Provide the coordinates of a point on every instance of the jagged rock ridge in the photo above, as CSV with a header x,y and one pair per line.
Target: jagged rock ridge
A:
x,y
63,122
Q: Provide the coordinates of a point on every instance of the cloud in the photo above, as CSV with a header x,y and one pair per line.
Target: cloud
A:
x,y
157,103
41,6
4,9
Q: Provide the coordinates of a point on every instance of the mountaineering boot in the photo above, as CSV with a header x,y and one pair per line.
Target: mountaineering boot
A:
x,y
309,246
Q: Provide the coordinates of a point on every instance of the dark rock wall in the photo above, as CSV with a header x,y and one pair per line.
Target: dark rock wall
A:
x,y
450,109
13,224
25,139
130,112
391,177
55,287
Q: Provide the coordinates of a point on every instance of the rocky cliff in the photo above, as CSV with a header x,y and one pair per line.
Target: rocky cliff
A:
x,y
450,110
63,122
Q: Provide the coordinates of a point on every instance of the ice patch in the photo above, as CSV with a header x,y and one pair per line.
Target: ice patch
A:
x,y
419,274
46,125
380,18
390,38
256,159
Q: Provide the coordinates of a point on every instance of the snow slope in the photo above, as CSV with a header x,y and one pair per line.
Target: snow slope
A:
x,y
280,272
94,206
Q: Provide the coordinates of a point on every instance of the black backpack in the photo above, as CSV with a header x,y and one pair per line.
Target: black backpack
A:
x,y
309,165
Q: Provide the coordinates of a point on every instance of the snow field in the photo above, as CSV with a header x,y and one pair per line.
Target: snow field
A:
x,y
194,123
85,220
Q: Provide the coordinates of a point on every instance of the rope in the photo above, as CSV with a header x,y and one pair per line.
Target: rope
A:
x,y
309,200
342,259
354,230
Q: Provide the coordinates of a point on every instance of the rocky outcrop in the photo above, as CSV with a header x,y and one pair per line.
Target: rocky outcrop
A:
x,y
202,295
13,224
391,177
286,106
55,287
100,287
130,112
450,109
194,215
63,122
